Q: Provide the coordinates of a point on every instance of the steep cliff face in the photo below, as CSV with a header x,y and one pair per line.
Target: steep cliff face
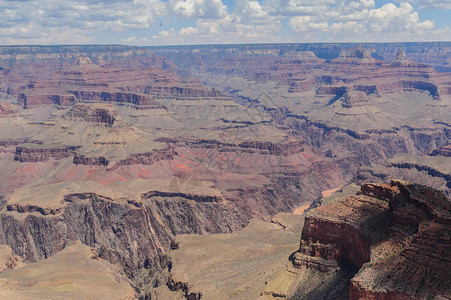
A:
x,y
284,148
90,113
397,234
38,154
353,228
140,100
133,234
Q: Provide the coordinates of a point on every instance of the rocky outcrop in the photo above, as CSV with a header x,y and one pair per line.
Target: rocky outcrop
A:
x,y
90,113
424,168
367,89
7,108
356,55
184,287
354,99
331,90
422,86
401,60
42,92
264,147
442,151
84,64
301,85
15,142
345,231
283,148
32,208
321,257
147,158
197,198
80,159
397,234
141,101
40,154
190,92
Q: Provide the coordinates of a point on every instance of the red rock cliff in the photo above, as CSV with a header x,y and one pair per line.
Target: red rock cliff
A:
x,y
397,234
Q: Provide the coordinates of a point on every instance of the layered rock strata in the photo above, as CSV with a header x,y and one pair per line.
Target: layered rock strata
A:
x,y
38,154
131,233
141,88
397,234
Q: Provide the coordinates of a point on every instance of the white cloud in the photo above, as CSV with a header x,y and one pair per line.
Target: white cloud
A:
x,y
322,20
47,21
307,23
128,40
83,21
252,10
209,9
434,4
297,7
26,35
361,20
229,29
395,19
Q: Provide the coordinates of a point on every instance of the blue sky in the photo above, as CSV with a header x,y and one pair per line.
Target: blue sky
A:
x,y
173,22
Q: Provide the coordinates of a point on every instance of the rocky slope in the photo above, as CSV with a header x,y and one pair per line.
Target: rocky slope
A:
x,y
388,232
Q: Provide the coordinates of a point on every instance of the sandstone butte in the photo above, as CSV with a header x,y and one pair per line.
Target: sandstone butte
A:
x,y
396,235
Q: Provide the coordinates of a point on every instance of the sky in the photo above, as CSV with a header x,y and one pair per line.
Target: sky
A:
x,y
179,22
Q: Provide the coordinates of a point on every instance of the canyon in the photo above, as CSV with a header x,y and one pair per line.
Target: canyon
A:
x,y
142,162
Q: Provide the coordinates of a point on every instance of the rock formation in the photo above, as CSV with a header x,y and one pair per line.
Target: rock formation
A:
x,y
84,64
401,60
39,154
7,108
90,113
396,234
442,151
358,55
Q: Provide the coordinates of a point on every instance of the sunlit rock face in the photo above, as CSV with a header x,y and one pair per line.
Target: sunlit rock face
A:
x,y
396,235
